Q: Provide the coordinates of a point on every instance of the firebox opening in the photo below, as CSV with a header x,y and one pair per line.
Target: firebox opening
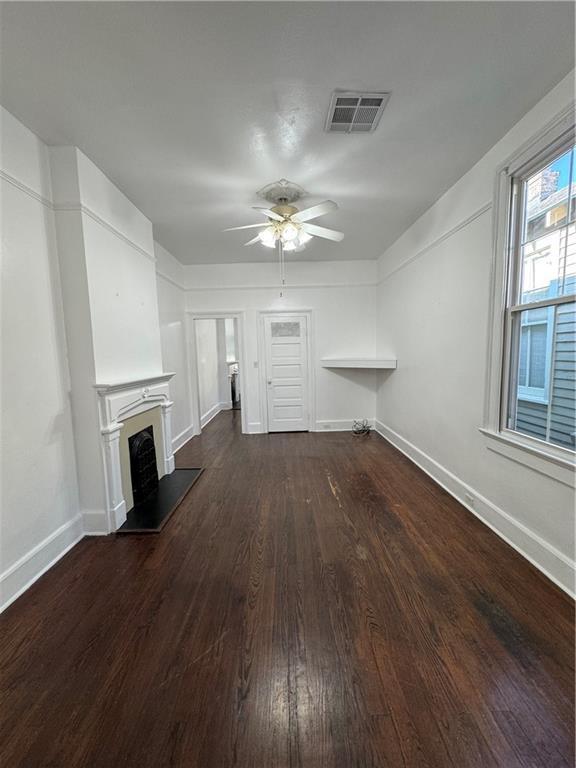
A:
x,y
143,469
131,426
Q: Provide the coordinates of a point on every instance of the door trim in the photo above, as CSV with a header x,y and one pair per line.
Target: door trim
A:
x,y
262,363
192,316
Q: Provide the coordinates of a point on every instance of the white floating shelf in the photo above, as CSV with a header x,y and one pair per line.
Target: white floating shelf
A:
x,y
357,362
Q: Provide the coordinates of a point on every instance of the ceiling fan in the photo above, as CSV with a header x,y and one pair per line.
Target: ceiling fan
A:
x,y
287,228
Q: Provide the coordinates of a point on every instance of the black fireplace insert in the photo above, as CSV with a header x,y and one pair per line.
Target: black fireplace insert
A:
x,y
143,469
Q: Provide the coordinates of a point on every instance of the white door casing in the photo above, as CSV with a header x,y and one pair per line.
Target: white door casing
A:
x,y
287,375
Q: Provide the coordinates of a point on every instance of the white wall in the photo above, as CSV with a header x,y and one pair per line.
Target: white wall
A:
x,y
39,509
107,262
434,301
117,246
124,307
342,297
175,342
207,359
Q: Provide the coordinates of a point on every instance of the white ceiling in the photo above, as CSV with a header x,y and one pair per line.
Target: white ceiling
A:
x,y
191,107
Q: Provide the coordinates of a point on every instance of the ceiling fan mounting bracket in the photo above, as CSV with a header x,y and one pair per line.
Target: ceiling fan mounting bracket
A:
x,y
284,209
281,192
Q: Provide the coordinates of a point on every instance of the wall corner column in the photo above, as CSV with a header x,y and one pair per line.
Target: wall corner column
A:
x,y
115,504
166,409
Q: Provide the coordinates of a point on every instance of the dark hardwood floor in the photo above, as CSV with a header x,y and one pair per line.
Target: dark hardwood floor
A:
x,y
316,602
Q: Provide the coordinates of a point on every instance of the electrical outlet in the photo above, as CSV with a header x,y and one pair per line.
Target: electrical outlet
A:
x,y
470,500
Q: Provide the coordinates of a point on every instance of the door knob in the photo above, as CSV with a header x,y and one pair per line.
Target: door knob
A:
x,y
269,381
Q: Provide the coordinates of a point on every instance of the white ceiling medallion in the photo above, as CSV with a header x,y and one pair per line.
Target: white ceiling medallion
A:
x,y
282,190
356,111
287,228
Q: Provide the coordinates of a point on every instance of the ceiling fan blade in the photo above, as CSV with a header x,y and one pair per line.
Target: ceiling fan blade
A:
x,y
247,226
269,213
315,211
254,240
329,234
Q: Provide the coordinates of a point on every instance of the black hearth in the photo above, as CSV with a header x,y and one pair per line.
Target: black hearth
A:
x,y
143,469
154,500
151,515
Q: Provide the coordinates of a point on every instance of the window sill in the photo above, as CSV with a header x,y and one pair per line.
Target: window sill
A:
x,y
557,463
532,399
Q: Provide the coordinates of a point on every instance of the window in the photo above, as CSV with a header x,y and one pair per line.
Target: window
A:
x,y
539,393
285,328
230,340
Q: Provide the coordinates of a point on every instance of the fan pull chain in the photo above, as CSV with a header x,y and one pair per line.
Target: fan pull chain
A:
x,y
282,266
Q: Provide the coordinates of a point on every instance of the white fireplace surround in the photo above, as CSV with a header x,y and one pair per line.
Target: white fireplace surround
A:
x,y
120,400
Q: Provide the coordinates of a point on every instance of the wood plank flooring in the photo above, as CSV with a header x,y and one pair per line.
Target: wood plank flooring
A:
x,y
316,602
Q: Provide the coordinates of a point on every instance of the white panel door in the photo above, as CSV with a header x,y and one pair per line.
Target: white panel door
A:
x,y
287,389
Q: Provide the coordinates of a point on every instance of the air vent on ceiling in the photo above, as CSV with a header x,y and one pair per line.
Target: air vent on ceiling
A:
x,y
355,111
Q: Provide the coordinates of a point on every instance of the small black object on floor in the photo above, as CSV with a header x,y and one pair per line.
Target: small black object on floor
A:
x,y
150,515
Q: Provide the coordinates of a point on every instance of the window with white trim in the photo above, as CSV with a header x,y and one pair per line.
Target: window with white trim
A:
x,y
539,392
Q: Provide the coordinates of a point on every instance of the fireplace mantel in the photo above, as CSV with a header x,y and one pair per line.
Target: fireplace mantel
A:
x,y
132,383
122,399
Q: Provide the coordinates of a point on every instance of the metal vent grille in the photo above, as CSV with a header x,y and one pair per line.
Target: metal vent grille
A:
x,y
355,112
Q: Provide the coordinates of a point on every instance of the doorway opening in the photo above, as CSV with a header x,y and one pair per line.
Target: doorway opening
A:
x,y
218,375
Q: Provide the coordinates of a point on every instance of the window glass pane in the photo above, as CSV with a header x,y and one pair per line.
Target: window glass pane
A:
x,y
545,398
290,329
568,285
562,428
548,248
537,370
573,185
546,198
230,339
523,361
532,316
543,267
535,352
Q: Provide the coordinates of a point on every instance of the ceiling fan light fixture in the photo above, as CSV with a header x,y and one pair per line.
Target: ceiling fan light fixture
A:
x,y
289,232
268,237
288,229
298,243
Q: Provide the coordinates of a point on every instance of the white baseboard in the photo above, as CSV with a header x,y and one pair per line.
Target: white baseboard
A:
x,y
320,425
119,514
28,569
209,415
554,564
95,522
183,438
336,425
